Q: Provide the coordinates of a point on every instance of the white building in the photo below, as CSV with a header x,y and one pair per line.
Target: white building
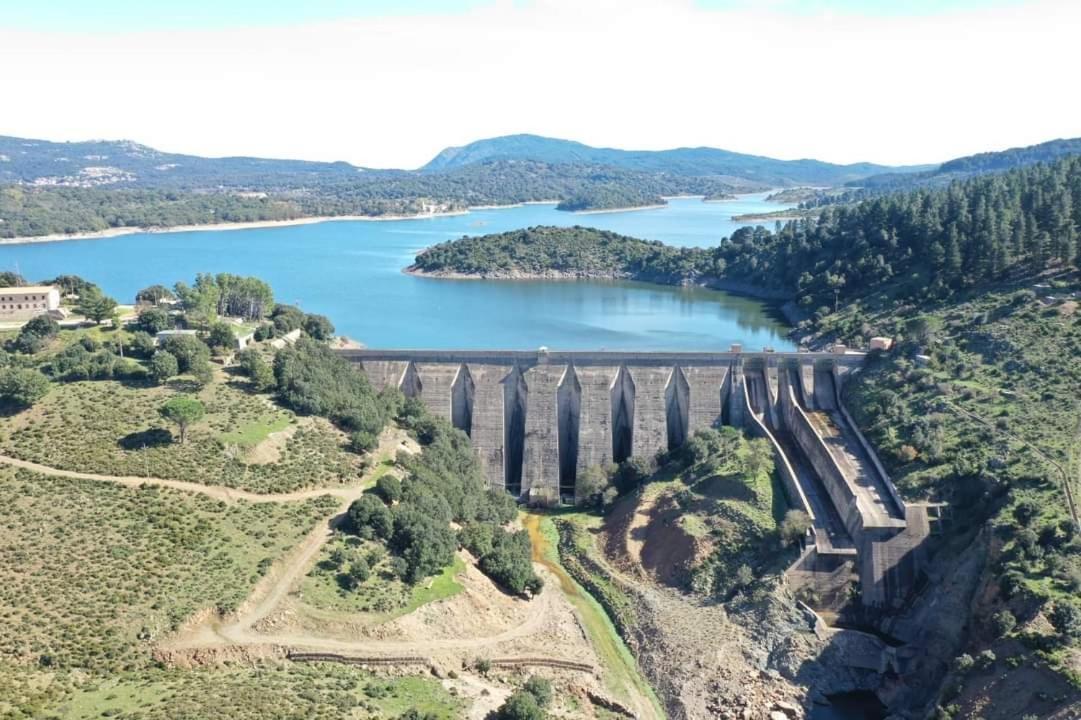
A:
x,y
23,303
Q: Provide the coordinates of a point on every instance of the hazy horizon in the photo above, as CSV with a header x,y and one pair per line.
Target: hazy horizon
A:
x,y
388,85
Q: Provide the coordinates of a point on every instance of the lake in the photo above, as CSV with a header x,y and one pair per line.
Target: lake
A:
x,y
351,272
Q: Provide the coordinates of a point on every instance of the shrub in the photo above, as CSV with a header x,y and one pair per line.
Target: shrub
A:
x,y
963,663
1003,623
190,352
389,488
22,386
371,517
36,334
318,327
793,527
363,442
520,706
221,337
154,319
540,689
1066,617
163,366
142,344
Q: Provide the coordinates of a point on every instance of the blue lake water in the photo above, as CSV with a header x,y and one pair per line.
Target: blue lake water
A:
x,y
351,272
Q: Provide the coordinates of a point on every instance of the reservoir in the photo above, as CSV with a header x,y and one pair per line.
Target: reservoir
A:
x,y
351,272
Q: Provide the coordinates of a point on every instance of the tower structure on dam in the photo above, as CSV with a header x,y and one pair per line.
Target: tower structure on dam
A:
x,y
538,419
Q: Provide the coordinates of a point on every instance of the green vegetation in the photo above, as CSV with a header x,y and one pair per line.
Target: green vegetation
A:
x,y
528,702
92,573
608,197
318,691
443,483
182,411
383,595
575,252
924,244
113,427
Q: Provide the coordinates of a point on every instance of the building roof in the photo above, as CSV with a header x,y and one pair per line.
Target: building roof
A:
x,y
22,290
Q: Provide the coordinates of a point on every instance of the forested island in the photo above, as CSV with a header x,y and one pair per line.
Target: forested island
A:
x,y
927,242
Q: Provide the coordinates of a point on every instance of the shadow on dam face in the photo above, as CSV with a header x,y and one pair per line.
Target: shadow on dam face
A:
x,y
462,392
515,401
622,415
677,403
410,384
568,409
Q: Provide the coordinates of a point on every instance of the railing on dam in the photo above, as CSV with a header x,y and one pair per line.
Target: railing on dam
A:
x,y
595,357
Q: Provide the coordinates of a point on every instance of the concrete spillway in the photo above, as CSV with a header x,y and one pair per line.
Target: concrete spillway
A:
x,y
538,420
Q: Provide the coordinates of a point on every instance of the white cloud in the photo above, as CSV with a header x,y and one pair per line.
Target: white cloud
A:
x,y
626,73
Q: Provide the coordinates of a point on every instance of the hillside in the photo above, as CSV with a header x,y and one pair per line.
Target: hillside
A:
x,y
680,161
969,165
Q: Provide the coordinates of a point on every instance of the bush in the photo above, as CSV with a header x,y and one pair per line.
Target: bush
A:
x,y
540,689
389,488
520,706
163,366
142,344
318,327
426,544
257,369
509,562
357,573
221,337
363,442
36,334
1003,623
22,386
1066,617
793,527
370,517
190,352
154,319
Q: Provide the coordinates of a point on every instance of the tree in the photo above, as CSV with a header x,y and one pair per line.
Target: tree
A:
x,y
589,485
183,411
96,306
22,386
155,319
163,365
357,573
190,351
318,327
521,705
221,337
540,688
154,294
257,369
794,527
1003,623
389,488
1066,618
36,334
370,517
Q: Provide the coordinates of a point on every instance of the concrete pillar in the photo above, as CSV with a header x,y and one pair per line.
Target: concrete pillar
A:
x,y
650,410
622,395
595,415
540,457
432,383
486,433
705,385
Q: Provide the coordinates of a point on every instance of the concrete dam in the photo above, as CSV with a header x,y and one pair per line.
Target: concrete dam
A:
x,y
537,419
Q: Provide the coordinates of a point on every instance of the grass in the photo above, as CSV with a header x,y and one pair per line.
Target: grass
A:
x,y
380,598
91,574
322,691
109,427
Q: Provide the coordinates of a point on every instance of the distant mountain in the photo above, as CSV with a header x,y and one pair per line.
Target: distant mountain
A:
x,y
680,161
970,165
108,162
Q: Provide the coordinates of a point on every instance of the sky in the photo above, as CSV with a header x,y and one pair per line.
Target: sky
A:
x,y
389,83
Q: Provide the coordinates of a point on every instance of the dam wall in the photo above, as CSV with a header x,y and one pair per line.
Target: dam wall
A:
x,y
539,419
